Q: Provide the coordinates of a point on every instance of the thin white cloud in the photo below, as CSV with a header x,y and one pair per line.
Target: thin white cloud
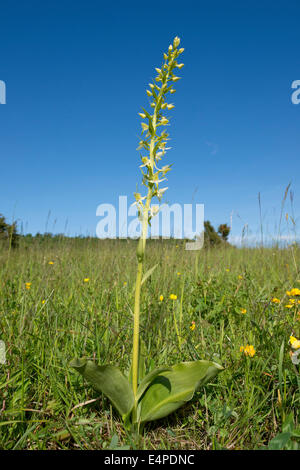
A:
x,y
214,147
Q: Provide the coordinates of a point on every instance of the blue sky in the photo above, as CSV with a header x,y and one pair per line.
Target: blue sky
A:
x,y
76,74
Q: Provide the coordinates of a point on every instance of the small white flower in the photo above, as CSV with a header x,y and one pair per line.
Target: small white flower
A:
x,y
160,192
164,121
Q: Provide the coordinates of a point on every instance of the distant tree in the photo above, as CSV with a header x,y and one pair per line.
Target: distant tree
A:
x,y
213,238
8,232
224,231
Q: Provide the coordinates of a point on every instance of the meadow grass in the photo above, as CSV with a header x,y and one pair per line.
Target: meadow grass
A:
x,y
80,303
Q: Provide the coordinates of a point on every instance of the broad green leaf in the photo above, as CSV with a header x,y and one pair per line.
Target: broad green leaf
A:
x,y
280,441
109,380
296,432
171,389
148,379
288,424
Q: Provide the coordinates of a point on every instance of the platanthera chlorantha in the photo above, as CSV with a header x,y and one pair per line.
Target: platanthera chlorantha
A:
x,y
143,397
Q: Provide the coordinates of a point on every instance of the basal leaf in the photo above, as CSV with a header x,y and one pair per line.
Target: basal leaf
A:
x,y
171,389
148,379
280,441
109,380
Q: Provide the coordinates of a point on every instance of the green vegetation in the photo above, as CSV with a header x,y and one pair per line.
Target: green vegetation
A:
x,y
81,305
8,233
199,313
213,238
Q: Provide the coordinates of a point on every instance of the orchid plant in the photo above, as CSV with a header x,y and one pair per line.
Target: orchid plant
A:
x,y
146,396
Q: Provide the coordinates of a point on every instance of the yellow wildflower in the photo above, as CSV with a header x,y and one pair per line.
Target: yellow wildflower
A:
x,y
51,262
173,296
248,350
289,306
295,343
288,293
161,298
295,291
240,277
125,283
243,310
178,274
193,326
43,301
86,279
227,270
275,300
27,285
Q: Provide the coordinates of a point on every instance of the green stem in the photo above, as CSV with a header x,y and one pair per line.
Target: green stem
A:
x,y
136,322
136,327
140,255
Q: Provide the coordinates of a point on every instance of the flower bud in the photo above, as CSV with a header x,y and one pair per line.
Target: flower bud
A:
x,y
143,116
176,42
